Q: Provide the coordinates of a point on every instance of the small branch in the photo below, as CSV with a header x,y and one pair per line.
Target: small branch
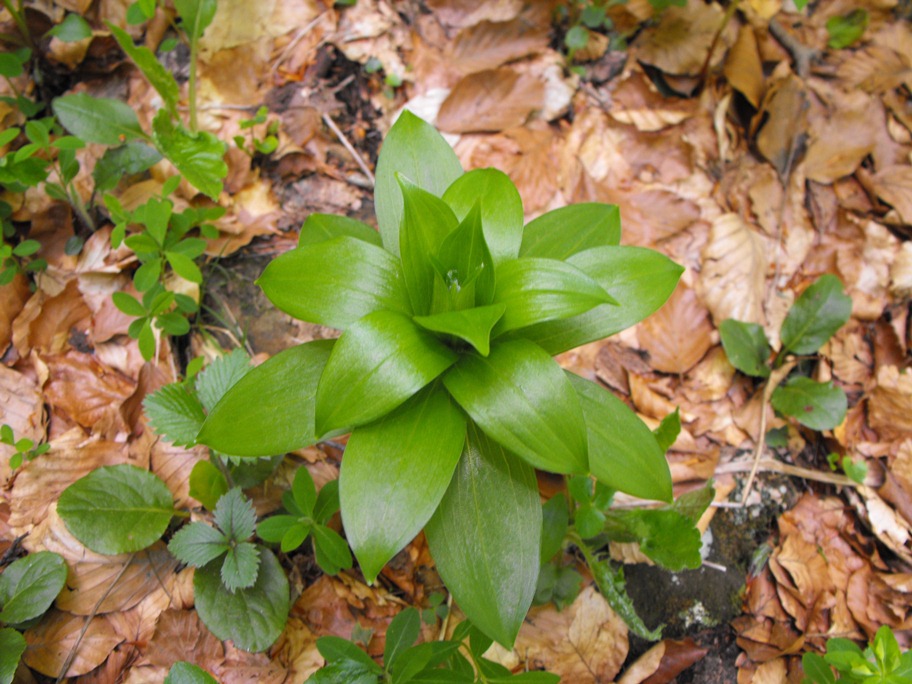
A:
x,y
802,54
348,146
771,465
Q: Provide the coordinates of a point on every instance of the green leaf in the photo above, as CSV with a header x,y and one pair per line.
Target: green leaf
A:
x,y
528,678
159,77
539,290
174,413
521,398
817,405
816,668
26,248
184,673
746,346
612,586
343,671
98,119
394,474
639,279
501,209
271,409
331,551
240,567
335,649
117,509
577,38
335,282
196,15
668,430
426,222
197,544
12,646
29,586
416,150
184,266
623,452
327,502
377,364
403,631
252,618
667,537
72,29
11,65
220,376
555,519
471,325
274,529
465,264
235,516
320,227
485,537
820,311
304,492
207,484
422,661
198,157
563,232
846,30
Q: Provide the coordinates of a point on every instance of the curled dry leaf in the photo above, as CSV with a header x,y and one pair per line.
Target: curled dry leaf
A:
x,y
663,662
491,100
678,335
52,639
297,650
894,186
48,320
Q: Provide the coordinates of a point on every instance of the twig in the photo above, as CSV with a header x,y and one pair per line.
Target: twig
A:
x,y
801,53
348,146
773,466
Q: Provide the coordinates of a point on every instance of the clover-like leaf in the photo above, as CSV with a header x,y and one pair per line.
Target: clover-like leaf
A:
x,y
235,516
240,567
28,586
174,413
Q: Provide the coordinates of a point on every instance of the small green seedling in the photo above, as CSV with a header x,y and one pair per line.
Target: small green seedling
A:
x,y
845,31
265,145
855,471
26,450
882,662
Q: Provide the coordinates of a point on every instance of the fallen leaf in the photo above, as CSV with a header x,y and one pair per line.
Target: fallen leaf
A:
x,y
52,639
15,295
663,662
490,44
492,100
890,403
678,335
637,101
461,13
22,408
743,67
48,320
181,635
894,186
840,139
782,123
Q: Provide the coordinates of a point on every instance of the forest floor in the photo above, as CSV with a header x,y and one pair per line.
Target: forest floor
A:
x,y
741,145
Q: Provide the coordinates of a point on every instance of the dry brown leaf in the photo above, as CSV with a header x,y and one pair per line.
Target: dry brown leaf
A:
x,y
894,186
637,102
901,273
711,379
490,44
840,140
743,68
650,214
866,270
586,642
875,68
469,12
782,123
297,650
172,464
678,335
48,320
22,408
181,635
15,295
890,404
491,100
663,662
680,43
52,639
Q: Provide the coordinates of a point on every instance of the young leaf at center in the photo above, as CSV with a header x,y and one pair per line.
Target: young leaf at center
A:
x,y
746,346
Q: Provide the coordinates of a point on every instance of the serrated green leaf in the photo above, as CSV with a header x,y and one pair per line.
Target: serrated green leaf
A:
x,y
235,516
402,632
196,15
174,414
746,347
561,233
207,484
117,509
240,567
640,279
416,150
159,77
470,325
252,618
521,398
185,673
335,282
72,29
98,119
395,472
377,364
221,375
320,227
199,157
623,452
117,162
667,537
331,551
281,418
485,537
817,405
197,544
12,646
816,315
29,585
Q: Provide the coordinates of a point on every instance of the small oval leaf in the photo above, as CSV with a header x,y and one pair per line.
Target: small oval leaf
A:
x,y
817,405
29,586
816,315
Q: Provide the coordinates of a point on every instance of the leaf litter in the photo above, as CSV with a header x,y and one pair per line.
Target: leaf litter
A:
x,y
785,160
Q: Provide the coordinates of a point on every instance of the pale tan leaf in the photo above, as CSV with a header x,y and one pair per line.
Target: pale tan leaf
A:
x,y
894,186
173,464
52,639
22,408
238,22
650,214
637,102
890,403
491,100
772,672
680,43
840,141
469,12
783,117
47,320
679,334
297,650
489,44
876,68
901,273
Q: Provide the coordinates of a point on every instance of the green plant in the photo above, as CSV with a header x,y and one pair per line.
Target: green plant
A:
x,y
26,450
854,470
443,372
847,30
265,145
187,673
881,662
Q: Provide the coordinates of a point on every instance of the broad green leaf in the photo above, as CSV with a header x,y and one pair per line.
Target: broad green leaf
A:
x,y
520,397
12,646
29,586
416,150
346,671
235,515
501,209
377,364
274,529
746,346
330,550
403,631
395,472
816,668
117,509
820,311
335,282
667,537
555,519
72,29
470,325
118,162
98,119
184,266
196,15
320,227
271,409
199,157
128,304
335,649
240,567
485,537
817,405
426,222
207,484
252,618
623,452
639,279
221,375
563,232
185,673
668,430
11,64
159,77
538,290
197,544
174,414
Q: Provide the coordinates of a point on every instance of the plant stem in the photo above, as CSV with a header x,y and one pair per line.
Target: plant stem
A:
x,y
191,85
19,18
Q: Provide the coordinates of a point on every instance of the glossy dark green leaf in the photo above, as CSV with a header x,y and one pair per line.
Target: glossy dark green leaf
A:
x,y
501,209
817,405
271,409
223,373
521,398
820,311
426,221
185,673
159,77
465,264
196,15
320,227
470,325
485,537
29,585
98,119
538,290
623,452
377,364
12,646
563,232
198,156
641,280
415,149
335,282
117,162
252,618
395,472
401,634
746,346
117,509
